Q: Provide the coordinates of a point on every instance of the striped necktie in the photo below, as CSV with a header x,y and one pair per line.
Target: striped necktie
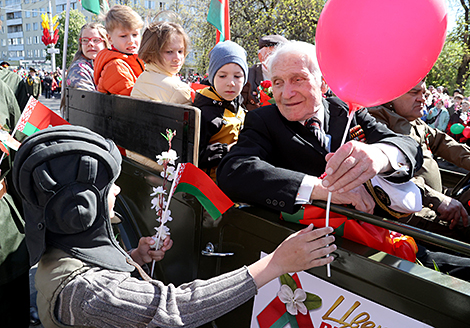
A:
x,y
314,125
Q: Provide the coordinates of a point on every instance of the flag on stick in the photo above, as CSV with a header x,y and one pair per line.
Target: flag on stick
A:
x,y
96,6
219,17
194,181
36,117
7,141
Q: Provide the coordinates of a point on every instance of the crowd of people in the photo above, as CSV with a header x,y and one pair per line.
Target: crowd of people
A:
x,y
281,156
442,110
38,81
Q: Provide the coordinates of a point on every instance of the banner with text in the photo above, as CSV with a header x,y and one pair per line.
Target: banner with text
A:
x,y
324,306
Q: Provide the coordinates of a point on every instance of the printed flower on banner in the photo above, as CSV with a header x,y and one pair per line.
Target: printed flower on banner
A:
x,y
293,300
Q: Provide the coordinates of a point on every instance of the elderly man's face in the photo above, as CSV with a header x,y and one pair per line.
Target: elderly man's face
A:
x,y
298,95
411,104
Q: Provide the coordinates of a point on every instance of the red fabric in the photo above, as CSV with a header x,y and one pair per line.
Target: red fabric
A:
x,y
362,232
303,320
226,20
39,115
194,88
196,177
116,72
271,313
264,99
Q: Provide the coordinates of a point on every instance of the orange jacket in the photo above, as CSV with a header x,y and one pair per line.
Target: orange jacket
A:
x,y
116,72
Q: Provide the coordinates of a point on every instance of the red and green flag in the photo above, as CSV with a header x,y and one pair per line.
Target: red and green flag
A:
x,y
36,117
196,182
96,6
219,17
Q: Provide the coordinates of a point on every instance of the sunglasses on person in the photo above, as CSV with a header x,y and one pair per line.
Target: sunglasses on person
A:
x,y
85,41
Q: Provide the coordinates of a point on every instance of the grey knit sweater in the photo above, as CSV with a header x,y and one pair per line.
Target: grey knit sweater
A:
x,y
103,298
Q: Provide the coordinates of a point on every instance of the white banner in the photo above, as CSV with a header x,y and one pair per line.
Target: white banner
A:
x,y
339,308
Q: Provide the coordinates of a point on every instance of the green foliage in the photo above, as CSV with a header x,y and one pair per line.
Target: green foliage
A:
x,y
76,21
252,19
445,69
293,19
456,50
193,16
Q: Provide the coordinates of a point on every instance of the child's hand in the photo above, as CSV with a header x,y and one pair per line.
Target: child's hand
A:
x,y
145,254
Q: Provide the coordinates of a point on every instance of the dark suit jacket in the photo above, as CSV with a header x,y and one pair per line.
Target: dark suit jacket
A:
x,y
272,155
255,77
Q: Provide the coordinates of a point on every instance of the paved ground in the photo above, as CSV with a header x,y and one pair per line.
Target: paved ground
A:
x,y
51,103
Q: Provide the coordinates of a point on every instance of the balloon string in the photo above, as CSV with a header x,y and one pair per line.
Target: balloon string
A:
x,y
328,202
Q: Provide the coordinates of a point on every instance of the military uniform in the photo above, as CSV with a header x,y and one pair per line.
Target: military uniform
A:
x,y
433,142
14,261
33,86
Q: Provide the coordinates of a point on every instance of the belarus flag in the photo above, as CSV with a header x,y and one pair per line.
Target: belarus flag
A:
x,y
96,6
196,182
219,16
36,117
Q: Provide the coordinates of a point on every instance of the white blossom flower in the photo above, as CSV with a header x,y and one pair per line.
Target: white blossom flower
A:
x,y
168,217
169,157
156,237
293,300
170,171
157,202
157,191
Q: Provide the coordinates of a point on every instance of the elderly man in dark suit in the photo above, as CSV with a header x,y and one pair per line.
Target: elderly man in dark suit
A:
x,y
277,161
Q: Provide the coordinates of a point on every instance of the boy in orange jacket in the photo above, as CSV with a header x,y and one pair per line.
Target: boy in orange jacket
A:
x,y
117,69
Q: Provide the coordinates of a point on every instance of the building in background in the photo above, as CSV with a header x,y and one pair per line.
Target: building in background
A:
x,y
21,31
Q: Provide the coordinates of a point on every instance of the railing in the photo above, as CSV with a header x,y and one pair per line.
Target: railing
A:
x,y
405,229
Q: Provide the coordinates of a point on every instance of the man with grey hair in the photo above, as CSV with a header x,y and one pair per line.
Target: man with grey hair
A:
x,y
285,148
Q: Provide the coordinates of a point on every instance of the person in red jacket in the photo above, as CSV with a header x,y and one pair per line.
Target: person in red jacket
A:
x,y
117,69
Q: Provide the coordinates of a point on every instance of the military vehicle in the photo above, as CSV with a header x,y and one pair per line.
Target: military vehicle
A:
x,y
204,248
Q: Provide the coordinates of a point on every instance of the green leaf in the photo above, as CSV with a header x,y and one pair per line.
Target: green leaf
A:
x,y
286,279
436,267
313,301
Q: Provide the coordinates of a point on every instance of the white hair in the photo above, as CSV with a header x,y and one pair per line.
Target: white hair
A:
x,y
303,49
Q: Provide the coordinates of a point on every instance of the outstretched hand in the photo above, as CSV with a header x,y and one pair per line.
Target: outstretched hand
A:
x,y
144,253
300,251
353,164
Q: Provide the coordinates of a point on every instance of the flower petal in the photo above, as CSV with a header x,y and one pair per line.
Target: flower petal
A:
x,y
300,295
291,308
301,307
285,294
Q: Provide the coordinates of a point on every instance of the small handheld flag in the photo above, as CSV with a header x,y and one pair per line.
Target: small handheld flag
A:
x,y
36,117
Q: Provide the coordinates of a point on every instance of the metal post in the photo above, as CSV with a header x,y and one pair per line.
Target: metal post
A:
x,y
64,52
51,31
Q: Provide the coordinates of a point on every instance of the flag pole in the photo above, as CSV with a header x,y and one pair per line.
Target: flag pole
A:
x,y
328,202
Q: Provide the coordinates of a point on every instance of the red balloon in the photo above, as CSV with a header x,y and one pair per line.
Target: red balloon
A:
x,y
373,51
466,132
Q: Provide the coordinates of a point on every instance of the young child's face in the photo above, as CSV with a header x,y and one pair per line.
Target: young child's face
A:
x,y
173,54
228,81
124,40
